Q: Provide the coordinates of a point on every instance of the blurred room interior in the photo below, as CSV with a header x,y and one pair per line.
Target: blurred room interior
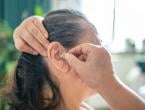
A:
x,y
120,24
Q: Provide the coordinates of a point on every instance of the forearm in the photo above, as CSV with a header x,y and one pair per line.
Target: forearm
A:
x,y
120,97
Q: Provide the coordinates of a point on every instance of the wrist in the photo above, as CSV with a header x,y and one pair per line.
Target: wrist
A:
x,y
109,84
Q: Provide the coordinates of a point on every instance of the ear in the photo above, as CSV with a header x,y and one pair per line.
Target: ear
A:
x,y
54,53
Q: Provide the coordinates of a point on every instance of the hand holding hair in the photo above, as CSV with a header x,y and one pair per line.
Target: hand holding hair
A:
x,y
31,36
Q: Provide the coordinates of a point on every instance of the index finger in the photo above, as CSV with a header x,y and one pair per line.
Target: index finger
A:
x,y
81,49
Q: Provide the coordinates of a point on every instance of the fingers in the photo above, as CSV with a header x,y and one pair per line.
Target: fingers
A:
x,y
31,36
33,43
23,46
81,49
73,61
82,57
37,34
40,26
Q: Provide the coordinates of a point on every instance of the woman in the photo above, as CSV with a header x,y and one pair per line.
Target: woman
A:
x,y
49,83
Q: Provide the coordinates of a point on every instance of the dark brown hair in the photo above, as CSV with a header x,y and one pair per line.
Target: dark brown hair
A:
x,y
31,71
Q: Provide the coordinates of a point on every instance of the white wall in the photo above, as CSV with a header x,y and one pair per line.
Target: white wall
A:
x,y
69,4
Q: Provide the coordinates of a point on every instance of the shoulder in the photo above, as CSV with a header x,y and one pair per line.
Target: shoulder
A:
x,y
85,106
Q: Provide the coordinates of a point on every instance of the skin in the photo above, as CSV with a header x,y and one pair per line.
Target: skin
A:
x,y
97,72
73,91
93,70
31,37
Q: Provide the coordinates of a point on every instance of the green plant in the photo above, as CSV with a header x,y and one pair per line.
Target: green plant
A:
x,y
8,55
38,10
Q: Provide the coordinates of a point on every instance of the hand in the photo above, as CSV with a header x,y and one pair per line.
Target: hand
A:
x,y
91,63
93,66
31,37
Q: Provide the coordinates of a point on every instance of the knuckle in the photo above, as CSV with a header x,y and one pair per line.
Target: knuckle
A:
x,y
28,20
35,19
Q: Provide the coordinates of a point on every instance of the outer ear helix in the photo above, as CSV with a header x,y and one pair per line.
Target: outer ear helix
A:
x,y
51,46
56,52
67,68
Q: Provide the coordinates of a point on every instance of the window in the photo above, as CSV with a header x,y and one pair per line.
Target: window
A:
x,y
100,13
128,17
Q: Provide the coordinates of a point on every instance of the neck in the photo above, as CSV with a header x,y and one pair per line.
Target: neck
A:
x,y
71,102
71,96
71,99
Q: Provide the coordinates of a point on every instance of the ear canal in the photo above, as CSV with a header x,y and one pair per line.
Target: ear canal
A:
x,y
56,52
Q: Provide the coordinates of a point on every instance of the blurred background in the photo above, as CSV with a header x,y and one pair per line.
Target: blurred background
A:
x,y
120,23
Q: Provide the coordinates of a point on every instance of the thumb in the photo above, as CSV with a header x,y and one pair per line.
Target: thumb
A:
x,y
73,61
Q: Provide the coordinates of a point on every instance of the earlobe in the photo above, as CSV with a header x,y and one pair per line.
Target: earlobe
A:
x,y
54,53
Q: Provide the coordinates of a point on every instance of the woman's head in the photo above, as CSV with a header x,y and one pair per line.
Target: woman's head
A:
x,y
69,28
43,83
